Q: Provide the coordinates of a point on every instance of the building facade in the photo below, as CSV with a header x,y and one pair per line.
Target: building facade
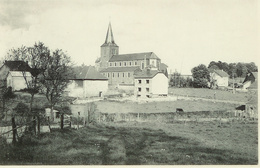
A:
x,y
219,78
120,69
150,83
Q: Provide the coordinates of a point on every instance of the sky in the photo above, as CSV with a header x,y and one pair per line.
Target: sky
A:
x,y
183,33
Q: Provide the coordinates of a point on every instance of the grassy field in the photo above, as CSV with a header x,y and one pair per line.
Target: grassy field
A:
x,y
140,144
209,93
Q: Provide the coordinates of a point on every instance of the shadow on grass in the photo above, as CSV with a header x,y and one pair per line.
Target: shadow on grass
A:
x,y
97,145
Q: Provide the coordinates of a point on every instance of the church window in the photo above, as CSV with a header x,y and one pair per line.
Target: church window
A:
x,y
120,64
128,74
123,74
125,63
117,74
130,63
142,65
115,63
107,74
135,63
113,75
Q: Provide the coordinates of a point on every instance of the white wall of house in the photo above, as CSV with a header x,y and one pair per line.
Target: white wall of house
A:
x,y
220,81
159,84
17,82
74,90
95,87
246,84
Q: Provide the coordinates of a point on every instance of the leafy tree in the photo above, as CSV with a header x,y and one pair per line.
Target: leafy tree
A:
x,y
56,76
201,76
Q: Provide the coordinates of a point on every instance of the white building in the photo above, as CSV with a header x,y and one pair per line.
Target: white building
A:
x,y
87,83
220,78
18,80
150,83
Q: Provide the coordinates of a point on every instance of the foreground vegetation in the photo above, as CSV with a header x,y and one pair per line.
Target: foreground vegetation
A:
x,y
140,143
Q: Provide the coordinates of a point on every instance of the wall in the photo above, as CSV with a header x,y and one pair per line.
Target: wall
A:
x,y
220,81
106,53
74,90
17,82
143,86
94,87
159,84
119,80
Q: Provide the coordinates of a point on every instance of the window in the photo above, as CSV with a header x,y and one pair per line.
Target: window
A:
x,y
125,63
128,74
130,63
142,65
110,64
117,74
139,81
147,81
139,89
115,63
107,74
120,64
123,74
147,89
135,63
113,75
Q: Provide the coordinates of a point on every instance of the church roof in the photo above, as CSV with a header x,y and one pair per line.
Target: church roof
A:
x,y
134,56
87,73
109,37
147,74
121,69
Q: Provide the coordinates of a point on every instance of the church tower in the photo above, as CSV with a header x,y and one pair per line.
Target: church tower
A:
x,y
108,49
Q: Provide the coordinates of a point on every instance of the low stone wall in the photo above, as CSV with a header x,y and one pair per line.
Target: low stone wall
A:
x,y
172,116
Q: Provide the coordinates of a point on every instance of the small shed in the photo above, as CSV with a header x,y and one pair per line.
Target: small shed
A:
x,y
18,80
219,78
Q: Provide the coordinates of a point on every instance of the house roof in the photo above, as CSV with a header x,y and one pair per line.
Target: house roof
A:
x,y
133,56
163,66
221,73
121,69
147,74
17,66
87,73
19,74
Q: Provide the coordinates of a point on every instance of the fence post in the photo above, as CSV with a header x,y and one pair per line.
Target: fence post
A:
x,y
78,120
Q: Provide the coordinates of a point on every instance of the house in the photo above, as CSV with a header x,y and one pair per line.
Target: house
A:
x,y
88,82
150,83
18,80
219,78
120,69
15,71
250,81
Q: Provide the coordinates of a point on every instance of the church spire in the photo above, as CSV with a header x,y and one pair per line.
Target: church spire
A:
x,y
109,37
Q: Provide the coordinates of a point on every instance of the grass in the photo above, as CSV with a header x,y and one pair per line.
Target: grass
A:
x,y
209,93
133,143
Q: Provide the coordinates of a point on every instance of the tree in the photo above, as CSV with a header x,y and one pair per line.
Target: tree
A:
x,y
56,76
36,57
201,76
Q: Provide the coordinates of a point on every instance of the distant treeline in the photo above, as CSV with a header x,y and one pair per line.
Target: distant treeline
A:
x,y
234,69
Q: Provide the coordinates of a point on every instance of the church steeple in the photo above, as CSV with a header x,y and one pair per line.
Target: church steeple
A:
x,y
109,48
109,37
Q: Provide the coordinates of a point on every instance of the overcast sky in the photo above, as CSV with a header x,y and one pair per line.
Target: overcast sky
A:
x,y
183,33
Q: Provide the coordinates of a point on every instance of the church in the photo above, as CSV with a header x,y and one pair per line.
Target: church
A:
x,y
120,69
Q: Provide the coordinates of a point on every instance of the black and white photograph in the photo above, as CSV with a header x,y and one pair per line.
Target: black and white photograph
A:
x,y
129,82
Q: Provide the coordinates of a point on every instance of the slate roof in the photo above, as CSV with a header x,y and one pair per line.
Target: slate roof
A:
x,y
147,74
109,37
87,73
221,73
121,69
133,56
17,66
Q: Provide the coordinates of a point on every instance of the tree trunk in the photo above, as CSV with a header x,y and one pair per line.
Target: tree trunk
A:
x,y
61,121
39,125
14,130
